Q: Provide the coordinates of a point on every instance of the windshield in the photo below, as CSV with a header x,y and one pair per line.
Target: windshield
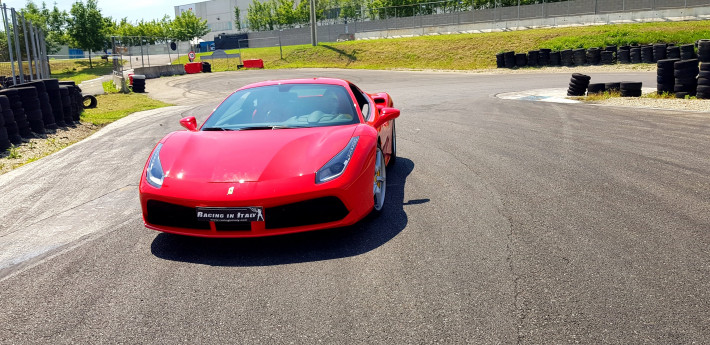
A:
x,y
284,106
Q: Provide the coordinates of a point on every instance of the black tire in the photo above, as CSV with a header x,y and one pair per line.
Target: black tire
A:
x,y
703,88
500,60
612,86
533,58
580,76
704,81
623,56
681,94
377,209
89,102
666,63
596,88
673,52
635,55
661,88
521,60
665,79
630,85
579,83
555,59
630,93
4,139
686,81
509,59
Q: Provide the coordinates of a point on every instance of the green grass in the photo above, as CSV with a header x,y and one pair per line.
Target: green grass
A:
x,y
464,51
78,70
114,106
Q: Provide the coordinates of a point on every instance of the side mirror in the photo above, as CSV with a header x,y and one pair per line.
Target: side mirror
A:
x,y
190,123
386,115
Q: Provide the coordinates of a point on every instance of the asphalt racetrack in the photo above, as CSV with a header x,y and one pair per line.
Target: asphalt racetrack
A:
x,y
506,222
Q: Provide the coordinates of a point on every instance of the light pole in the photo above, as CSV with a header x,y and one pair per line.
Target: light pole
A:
x,y
314,38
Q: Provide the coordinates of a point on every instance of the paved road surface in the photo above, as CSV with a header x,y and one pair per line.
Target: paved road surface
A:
x,y
506,222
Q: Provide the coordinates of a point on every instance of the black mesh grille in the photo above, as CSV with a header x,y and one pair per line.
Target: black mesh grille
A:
x,y
315,211
166,214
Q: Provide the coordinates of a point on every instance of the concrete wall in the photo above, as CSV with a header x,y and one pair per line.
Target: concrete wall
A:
x,y
160,71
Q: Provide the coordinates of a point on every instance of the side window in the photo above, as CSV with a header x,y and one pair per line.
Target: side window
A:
x,y
363,102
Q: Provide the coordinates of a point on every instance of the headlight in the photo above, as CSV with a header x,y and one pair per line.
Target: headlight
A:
x,y
154,174
337,164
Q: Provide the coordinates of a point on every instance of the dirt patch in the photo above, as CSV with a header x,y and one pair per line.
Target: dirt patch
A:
x,y
43,145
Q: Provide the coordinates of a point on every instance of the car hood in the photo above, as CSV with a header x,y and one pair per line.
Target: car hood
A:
x,y
252,155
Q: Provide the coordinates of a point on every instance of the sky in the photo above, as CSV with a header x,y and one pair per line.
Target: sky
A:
x,y
134,10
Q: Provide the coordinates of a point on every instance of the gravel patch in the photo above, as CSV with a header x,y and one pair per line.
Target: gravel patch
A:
x,y
43,145
694,105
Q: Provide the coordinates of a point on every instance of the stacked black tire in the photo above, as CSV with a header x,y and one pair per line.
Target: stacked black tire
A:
x,y
32,108
612,87
567,57
206,67
521,60
630,89
138,83
665,76
533,58
55,100
659,51
704,51
673,52
647,54
703,91
66,104
594,56
44,104
23,127
509,59
578,84
607,57
76,99
624,55
580,56
596,89
8,128
555,59
635,55
687,52
500,60
544,58
685,72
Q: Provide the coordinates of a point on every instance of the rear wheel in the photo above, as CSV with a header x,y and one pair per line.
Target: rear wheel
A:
x,y
379,185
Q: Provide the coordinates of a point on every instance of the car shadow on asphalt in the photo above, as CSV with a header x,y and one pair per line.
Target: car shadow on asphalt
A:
x,y
362,237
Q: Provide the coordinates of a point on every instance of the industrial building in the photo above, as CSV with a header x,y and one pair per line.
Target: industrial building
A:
x,y
219,15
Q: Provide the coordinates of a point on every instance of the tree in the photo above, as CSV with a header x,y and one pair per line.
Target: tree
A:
x,y
53,23
187,26
237,18
86,27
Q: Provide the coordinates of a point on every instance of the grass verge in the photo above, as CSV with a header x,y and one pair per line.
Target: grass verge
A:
x,y
113,106
464,51
78,70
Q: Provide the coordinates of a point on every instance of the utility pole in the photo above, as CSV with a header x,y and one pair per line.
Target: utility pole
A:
x,y
314,38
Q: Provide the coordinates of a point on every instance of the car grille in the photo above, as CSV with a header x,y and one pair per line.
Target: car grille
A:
x,y
166,214
309,212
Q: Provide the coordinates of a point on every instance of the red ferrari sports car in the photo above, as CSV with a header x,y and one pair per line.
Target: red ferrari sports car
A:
x,y
273,158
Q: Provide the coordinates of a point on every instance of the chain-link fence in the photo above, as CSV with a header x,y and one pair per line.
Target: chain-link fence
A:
x,y
23,53
130,52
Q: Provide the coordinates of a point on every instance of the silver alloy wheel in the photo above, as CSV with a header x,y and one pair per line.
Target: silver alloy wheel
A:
x,y
380,182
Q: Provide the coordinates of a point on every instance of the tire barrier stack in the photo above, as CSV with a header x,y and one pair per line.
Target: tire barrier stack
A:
x,y
521,60
533,58
45,106
612,87
138,83
206,67
703,91
509,59
635,54
624,55
500,60
704,51
33,111
687,52
685,72
76,99
594,56
66,104
9,125
578,84
55,100
4,139
580,56
544,59
567,57
630,89
659,51
607,57
596,89
673,52
18,111
665,76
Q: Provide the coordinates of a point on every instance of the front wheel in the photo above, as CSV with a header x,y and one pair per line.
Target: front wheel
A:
x,y
379,185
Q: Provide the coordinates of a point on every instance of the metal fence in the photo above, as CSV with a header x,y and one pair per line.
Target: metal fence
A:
x,y
128,52
22,51
452,16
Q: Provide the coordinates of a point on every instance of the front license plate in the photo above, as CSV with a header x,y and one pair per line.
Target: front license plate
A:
x,y
231,214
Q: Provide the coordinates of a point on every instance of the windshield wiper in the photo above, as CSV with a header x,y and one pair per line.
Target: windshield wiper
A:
x,y
249,128
217,129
